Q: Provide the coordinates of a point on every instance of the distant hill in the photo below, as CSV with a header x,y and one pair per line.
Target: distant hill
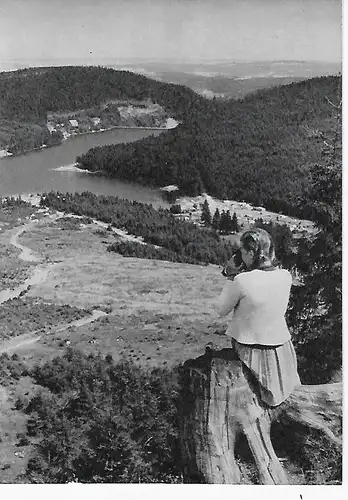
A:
x,y
257,149
230,79
226,87
26,96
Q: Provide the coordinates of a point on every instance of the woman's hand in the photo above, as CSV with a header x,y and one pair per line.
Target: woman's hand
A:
x,y
231,270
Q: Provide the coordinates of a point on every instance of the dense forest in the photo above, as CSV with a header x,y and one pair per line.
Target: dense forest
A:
x,y
258,149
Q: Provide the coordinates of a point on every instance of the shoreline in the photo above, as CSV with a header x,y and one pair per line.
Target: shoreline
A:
x,y
117,127
6,154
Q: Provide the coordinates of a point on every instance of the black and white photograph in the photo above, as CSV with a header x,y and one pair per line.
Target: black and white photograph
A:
x,y
171,245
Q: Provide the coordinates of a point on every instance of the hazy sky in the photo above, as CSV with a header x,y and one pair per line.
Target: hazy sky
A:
x,y
170,29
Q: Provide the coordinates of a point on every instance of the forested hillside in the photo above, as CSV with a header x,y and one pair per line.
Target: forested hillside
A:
x,y
259,149
26,96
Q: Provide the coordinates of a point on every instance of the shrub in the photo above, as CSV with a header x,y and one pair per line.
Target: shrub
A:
x,y
98,421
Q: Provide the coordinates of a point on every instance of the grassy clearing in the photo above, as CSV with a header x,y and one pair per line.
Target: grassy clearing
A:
x,y
86,275
148,339
25,315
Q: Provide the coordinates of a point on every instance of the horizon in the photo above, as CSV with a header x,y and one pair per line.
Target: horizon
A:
x,y
172,60
148,67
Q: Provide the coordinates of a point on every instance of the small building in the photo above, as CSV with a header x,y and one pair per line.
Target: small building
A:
x,y
74,123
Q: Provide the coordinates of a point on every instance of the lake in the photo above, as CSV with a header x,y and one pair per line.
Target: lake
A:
x,y
52,169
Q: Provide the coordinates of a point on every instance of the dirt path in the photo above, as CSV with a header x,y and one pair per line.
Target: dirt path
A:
x,y
26,339
37,277
27,254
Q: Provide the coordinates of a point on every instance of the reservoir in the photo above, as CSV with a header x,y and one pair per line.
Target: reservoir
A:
x,y
52,169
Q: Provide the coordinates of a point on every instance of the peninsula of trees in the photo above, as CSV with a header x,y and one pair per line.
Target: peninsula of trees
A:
x,y
259,149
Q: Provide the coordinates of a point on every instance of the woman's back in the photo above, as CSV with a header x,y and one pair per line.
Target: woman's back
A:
x,y
259,299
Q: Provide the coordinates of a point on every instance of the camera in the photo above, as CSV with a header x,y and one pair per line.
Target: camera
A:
x,y
234,266
237,258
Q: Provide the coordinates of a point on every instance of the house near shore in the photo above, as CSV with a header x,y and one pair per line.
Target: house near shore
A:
x,y
74,123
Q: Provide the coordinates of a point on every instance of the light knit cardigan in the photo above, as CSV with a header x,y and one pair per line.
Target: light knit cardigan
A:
x,y
258,300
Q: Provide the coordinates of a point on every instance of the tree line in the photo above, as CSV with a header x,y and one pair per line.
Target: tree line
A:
x,y
179,241
223,222
165,236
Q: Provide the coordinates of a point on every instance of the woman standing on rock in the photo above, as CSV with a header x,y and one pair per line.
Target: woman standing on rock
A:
x,y
257,294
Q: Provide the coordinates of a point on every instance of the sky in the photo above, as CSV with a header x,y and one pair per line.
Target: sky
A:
x,y
182,30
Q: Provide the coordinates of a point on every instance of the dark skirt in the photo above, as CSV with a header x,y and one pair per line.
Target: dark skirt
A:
x,y
274,367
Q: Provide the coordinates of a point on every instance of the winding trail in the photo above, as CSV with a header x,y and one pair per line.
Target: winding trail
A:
x,y
27,339
38,276
27,254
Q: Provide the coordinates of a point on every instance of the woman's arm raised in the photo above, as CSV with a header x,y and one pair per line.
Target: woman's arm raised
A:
x,y
229,298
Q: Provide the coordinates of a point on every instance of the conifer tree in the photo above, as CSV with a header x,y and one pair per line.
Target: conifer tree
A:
x,y
206,215
222,222
234,223
318,323
225,222
216,219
